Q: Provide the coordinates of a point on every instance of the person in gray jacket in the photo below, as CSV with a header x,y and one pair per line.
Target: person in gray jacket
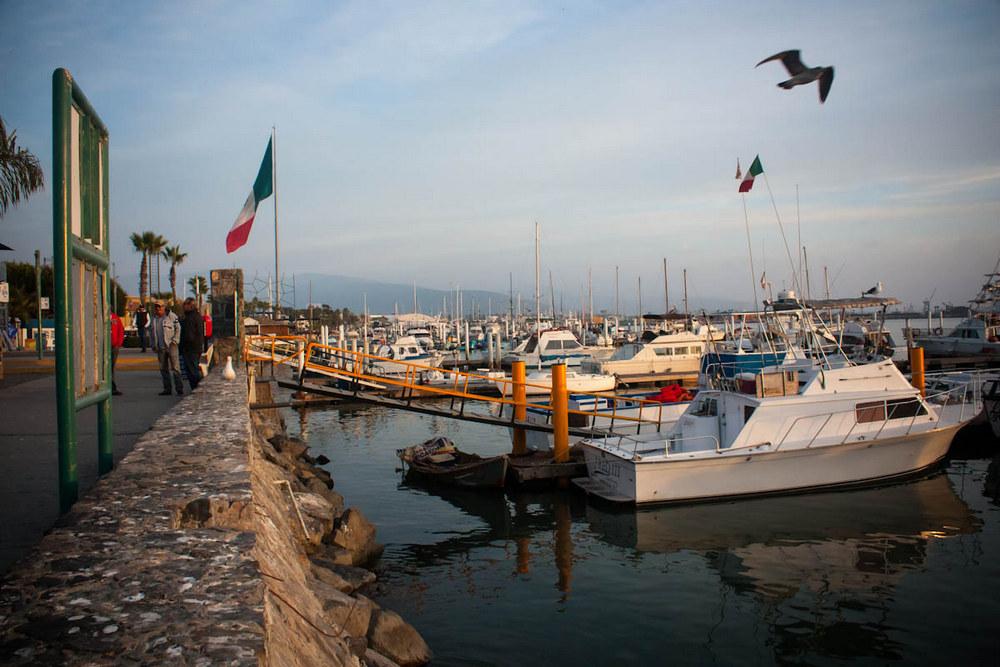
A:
x,y
165,336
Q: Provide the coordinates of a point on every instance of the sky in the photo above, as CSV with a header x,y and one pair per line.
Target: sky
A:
x,y
422,141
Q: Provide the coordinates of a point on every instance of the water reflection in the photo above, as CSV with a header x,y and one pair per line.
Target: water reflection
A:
x,y
821,569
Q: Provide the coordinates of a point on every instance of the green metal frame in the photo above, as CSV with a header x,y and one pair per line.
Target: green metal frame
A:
x,y
93,148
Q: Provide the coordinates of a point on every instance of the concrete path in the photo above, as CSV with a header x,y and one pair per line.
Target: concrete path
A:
x,y
29,473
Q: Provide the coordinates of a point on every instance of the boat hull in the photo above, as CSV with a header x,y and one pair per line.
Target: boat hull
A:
x,y
790,471
489,473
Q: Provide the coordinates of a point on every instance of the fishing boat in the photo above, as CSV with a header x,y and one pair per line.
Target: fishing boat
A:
x,y
975,336
438,460
814,421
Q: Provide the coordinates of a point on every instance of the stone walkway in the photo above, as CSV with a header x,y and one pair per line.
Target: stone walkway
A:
x,y
119,581
29,473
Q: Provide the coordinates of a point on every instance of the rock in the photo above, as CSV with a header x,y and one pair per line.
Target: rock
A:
x,y
290,447
351,615
375,659
396,639
345,578
356,534
322,460
217,511
317,514
334,554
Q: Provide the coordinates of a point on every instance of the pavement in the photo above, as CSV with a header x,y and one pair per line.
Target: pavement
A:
x,y
29,472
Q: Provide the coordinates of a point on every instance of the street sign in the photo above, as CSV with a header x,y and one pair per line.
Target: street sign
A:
x,y
44,305
4,293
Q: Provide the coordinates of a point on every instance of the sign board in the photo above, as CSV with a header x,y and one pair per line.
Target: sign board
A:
x,y
44,303
80,229
4,293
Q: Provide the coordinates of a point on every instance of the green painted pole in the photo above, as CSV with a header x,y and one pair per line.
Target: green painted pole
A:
x,y
105,426
39,345
62,263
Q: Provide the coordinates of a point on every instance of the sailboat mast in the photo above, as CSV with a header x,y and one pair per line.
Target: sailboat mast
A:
x,y
538,296
590,292
687,313
666,292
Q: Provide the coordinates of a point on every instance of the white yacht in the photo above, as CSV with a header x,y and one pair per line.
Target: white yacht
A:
x,y
404,348
665,354
805,424
423,337
539,383
557,346
972,337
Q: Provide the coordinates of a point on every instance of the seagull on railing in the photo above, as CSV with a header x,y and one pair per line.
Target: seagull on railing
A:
x,y
873,291
802,74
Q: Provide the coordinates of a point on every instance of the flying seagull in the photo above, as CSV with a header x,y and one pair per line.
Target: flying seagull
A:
x,y
802,74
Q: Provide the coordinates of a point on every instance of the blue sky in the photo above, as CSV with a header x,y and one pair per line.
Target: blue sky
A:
x,y
421,140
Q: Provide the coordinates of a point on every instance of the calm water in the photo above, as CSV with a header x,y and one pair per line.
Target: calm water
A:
x,y
905,573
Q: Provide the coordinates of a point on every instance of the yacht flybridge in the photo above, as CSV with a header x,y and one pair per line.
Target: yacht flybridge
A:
x,y
810,421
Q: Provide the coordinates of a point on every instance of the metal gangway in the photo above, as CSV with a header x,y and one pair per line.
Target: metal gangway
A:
x,y
360,376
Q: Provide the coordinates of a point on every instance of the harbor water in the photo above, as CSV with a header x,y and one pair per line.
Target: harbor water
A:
x,y
904,573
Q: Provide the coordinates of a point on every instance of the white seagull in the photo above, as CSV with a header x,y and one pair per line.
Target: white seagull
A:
x,y
874,291
802,74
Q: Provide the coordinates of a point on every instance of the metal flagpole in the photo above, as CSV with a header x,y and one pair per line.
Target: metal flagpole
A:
x,y
274,185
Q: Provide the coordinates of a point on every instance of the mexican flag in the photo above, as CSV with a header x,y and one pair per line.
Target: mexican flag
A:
x,y
747,182
263,187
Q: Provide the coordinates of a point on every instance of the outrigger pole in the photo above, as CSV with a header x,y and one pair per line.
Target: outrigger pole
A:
x,y
274,181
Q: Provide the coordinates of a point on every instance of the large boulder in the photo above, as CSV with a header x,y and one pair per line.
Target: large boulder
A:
x,y
318,515
349,615
394,638
345,578
357,535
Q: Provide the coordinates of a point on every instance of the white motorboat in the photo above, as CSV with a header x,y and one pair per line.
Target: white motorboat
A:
x,y
977,336
676,353
806,424
404,348
557,346
539,383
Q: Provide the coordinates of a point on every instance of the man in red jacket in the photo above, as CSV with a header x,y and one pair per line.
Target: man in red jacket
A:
x,y
117,340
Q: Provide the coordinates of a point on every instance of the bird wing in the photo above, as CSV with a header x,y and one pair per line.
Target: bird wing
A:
x,y
790,59
825,81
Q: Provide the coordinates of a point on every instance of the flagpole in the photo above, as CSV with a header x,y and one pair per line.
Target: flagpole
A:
x,y
274,181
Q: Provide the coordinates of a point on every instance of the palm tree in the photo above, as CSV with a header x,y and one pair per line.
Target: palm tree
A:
x,y
140,243
20,172
174,255
156,246
199,286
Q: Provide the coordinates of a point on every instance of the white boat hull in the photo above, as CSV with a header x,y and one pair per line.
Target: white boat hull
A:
x,y
615,478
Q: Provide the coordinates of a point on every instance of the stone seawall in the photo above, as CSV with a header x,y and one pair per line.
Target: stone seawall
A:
x,y
216,541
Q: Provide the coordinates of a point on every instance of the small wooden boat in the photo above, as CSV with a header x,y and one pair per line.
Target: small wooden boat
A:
x,y
438,460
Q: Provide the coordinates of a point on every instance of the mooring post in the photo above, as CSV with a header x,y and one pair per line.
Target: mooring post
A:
x,y
520,407
560,414
917,369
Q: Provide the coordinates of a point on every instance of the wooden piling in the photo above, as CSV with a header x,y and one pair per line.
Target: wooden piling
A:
x,y
520,406
560,414
917,369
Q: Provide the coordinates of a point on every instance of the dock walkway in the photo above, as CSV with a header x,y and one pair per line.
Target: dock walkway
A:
x,y
132,574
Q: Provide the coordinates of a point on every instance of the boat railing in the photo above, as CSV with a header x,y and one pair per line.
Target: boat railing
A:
x,y
954,396
663,447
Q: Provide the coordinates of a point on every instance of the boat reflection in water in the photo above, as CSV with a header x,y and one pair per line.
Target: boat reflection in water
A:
x,y
817,574
822,567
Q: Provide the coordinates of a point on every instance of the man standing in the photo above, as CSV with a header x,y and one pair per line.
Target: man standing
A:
x,y
165,335
141,322
192,341
117,340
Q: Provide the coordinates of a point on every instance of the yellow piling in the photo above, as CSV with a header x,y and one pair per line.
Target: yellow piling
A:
x,y
560,414
520,406
917,369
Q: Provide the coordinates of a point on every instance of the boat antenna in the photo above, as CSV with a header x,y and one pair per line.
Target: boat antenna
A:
x,y
753,274
538,322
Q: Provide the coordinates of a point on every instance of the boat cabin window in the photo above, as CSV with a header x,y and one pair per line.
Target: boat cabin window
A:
x,y
553,345
570,345
413,350
706,407
663,351
905,407
748,412
898,408
530,347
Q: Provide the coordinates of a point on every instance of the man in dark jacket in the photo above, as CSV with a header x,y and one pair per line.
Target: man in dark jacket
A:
x,y
141,323
192,341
